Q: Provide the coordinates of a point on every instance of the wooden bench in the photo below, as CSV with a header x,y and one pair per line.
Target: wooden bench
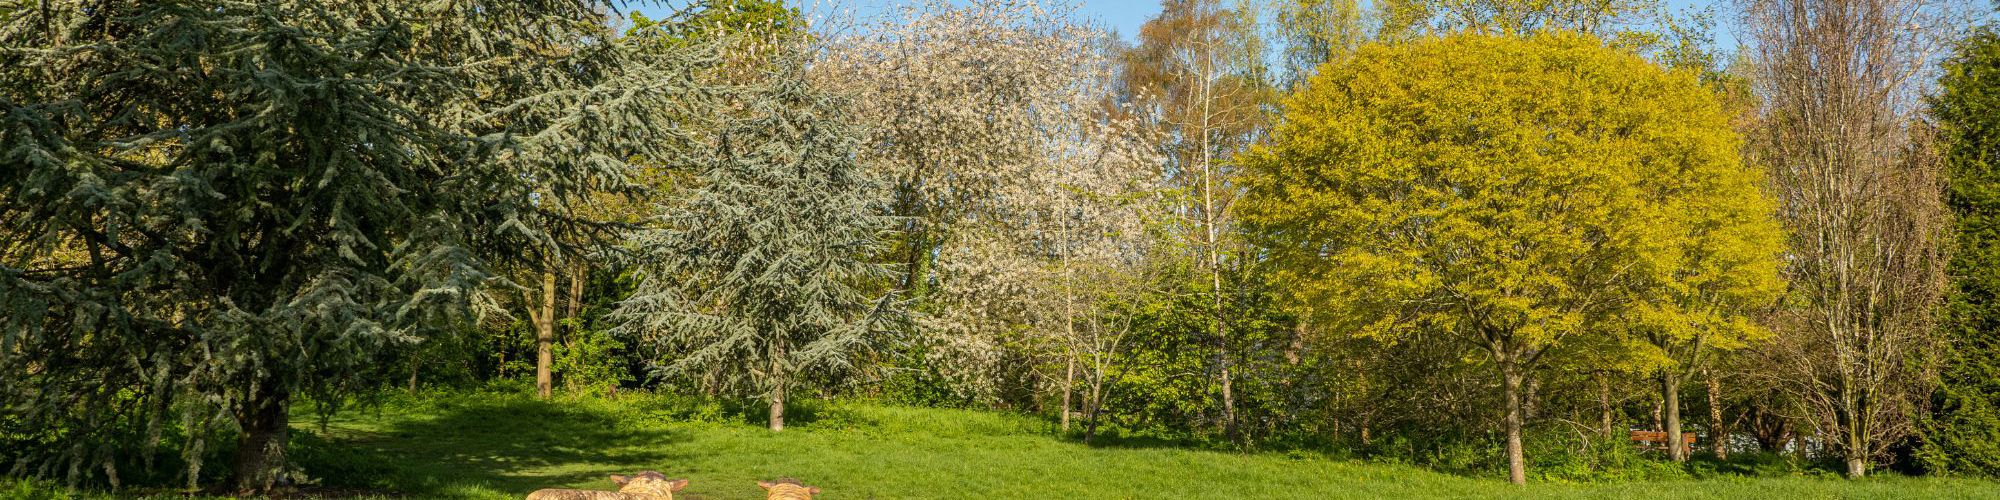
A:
x,y
1657,440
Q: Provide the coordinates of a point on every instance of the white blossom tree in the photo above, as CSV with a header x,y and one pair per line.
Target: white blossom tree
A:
x,y
1022,192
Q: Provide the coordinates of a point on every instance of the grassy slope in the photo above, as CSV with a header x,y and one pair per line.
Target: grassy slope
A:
x,y
504,445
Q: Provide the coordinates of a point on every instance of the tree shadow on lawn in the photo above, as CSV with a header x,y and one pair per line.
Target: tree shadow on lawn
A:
x,y
512,445
1115,439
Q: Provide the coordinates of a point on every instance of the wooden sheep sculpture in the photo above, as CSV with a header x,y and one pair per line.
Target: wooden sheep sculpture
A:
x,y
787,489
646,485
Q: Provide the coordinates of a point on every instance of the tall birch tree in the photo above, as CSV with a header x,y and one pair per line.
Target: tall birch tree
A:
x,y
1198,75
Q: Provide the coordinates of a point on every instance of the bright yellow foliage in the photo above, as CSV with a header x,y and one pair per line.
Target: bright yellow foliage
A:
x,y
1514,192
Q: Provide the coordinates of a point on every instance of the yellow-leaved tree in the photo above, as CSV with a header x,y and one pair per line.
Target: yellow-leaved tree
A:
x,y
1521,195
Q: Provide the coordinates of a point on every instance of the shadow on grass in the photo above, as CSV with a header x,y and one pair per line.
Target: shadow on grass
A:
x,y
1114,439
508,444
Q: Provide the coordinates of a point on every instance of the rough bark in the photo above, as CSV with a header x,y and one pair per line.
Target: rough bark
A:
x,y
1670,389
1517,463
543,315
1718,431
1659,411
778,382
778,408
260,451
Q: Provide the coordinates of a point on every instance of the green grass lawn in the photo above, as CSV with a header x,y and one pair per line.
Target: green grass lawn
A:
x,y
503,445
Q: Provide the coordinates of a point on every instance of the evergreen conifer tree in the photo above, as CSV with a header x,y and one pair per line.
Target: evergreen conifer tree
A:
x,y
210,208
1963,435
763,273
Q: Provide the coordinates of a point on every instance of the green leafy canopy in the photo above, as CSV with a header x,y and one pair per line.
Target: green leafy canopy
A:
x,y
208,207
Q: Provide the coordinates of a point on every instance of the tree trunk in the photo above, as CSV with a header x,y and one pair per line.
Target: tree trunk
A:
x,y
778,408
1770,430
917,260
1069,387
1658,423
1855,452
1854,445
1229,404
1222,351
260,451
1366,438
1069,329
1670,389
1604,404
1517,463
778,385
1530,395
1211,218
545,337
570,309
1093,405
1717,431
576,278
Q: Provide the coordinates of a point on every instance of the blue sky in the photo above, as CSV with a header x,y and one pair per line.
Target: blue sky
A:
x,y
1126,16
